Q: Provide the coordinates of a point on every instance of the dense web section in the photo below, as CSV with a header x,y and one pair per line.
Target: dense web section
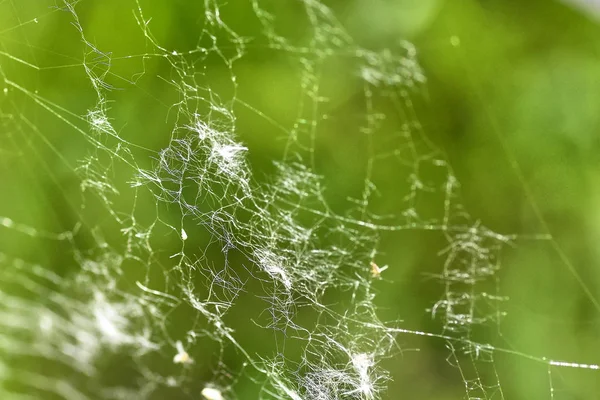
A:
x,y
185,268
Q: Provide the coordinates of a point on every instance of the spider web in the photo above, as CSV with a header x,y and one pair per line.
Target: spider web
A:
x,y
189,236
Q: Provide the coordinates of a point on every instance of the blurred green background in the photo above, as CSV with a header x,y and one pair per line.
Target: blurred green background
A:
x,y
511,99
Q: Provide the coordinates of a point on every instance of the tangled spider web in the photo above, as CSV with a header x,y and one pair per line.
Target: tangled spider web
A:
x,y
179,265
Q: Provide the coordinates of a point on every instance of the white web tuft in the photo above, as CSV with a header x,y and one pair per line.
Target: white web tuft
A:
x,y
199,276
